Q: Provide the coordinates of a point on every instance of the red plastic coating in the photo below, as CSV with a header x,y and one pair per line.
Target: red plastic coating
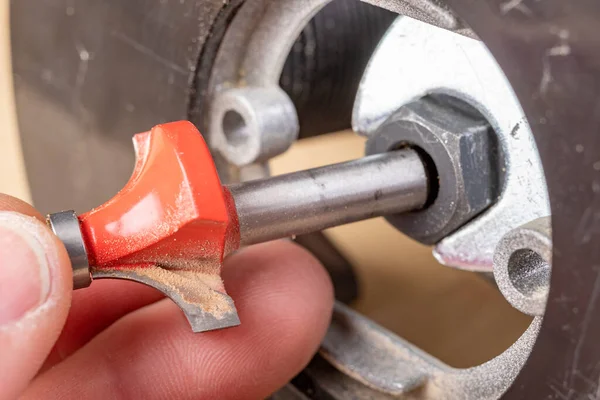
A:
x,y
172,213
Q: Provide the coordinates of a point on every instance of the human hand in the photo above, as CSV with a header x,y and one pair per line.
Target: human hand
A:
x,y
124,340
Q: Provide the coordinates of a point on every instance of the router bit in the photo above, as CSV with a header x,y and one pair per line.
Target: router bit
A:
x,y
173,223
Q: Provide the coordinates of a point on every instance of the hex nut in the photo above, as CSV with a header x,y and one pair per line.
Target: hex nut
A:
x,y
461,152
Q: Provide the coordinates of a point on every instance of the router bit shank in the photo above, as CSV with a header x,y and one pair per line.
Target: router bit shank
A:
x,y
315,199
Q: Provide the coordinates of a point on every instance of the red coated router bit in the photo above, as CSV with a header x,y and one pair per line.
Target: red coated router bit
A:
x,y
173,223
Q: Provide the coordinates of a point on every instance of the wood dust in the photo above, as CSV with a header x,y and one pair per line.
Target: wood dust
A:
x,y
184,279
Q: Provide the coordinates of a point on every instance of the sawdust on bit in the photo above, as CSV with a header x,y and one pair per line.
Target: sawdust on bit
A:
x,y
187,261
186,279
187,270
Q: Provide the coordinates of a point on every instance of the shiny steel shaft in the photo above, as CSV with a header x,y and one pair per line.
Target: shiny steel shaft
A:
x,y
315,199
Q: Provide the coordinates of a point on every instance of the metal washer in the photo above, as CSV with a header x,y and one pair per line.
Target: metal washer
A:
x,y
65,225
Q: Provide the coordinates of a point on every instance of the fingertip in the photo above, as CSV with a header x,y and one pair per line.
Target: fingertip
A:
x,y
35,293
282,285
281,256
288,305
10,203
34,268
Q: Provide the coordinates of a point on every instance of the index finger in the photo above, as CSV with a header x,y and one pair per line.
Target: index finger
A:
x,y
9,203
284,299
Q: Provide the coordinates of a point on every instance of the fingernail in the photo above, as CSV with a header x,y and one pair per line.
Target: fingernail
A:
x,y
24,268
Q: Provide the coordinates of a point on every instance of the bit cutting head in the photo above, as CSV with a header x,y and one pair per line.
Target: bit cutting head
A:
x,y
170,226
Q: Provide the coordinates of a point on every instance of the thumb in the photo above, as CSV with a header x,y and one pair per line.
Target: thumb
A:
x,y
35,295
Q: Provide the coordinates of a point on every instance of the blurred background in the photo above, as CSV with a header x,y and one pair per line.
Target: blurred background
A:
x,y
12,176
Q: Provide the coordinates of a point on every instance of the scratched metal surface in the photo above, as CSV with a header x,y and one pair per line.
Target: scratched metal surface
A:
x,y
88,74
549,51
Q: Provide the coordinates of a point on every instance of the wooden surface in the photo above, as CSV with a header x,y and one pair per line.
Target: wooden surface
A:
x,y
457,316
12,172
